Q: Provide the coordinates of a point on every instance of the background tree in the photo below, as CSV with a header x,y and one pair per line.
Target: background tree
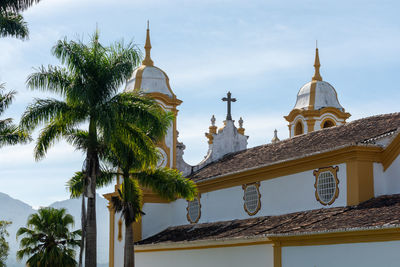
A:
x,y
3,243
47,239
89,85
11,21
10,134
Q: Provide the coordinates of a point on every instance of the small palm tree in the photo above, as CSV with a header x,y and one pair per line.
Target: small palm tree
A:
x,y
10,134
11,21
47,239
89,86
138,172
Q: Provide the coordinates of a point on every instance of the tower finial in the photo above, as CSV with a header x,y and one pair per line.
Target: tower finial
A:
x,y
147,47
317,65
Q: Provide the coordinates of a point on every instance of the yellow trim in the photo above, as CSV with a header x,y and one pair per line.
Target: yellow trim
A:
x,y
187,210
360,153
313,87
241,244
166,99
360,181
317,173
391,152
317,113
277,254
310,125
346,237
244,187
120,230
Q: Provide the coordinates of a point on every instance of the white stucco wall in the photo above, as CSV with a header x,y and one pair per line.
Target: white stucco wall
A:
x,y
257,255
387,182
378,254
281,195
119,245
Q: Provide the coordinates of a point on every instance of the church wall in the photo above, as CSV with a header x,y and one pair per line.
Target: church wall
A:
x,y
256,255
296,192
356,254
387,182
119,244
281,195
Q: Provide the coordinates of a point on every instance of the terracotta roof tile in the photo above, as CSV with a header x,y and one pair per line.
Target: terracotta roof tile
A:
x,y
356,132
378,212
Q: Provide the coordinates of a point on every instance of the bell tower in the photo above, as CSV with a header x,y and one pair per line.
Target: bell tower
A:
x,y
155,82
317,106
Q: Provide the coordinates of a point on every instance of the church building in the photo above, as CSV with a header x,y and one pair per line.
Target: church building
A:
x,y
329,195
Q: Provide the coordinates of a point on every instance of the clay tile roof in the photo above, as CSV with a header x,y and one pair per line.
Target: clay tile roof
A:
x,y
378,212
356,132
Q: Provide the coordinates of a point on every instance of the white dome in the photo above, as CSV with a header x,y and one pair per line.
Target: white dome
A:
x,y
149,79
325,96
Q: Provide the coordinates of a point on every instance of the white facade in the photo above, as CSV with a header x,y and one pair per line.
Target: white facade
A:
x,y
227,204
373,254
387,182
257,255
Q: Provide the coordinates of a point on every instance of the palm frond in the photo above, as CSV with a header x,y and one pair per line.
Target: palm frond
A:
x,y
168,183
16,5
13,25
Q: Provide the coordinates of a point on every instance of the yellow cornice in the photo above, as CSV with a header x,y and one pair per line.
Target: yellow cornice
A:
x,y
165,99
345,237
316,113
304,239
203,245
362,153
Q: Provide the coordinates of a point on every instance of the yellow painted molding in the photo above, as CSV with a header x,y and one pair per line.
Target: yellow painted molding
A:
x,y
187,210
360,181
277,254
333,171
173,247
311,104
165,99
316,113
244,187
346,237
361,153
310,125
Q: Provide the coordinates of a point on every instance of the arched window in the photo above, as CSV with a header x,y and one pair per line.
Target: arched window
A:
x,y
328,123
298,129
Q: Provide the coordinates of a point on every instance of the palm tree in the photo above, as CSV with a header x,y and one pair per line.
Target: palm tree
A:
x,y
47,239
10,134
138,172
11,21
89,85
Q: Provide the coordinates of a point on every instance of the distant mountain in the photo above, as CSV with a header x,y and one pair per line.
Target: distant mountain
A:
x,y
17,212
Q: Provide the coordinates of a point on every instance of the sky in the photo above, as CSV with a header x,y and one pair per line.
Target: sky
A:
x,y
261,51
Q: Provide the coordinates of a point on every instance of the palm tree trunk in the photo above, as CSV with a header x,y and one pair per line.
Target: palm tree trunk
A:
x,y
129,253
83,227
91,230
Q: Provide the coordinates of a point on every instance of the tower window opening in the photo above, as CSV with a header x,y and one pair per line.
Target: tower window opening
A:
x,y
298,129
328,124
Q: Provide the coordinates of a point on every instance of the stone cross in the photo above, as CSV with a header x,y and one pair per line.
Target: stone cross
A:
x,y
229,99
